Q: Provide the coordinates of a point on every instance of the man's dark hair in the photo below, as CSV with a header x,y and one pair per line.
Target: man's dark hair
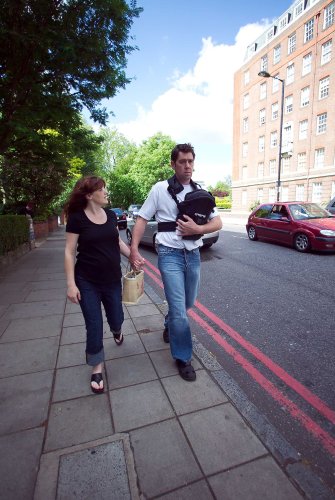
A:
x,y
182,148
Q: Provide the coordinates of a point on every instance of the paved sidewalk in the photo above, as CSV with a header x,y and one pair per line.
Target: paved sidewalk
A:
x,y
150,435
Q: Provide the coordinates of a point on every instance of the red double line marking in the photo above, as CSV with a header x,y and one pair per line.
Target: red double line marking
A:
x,y
327,440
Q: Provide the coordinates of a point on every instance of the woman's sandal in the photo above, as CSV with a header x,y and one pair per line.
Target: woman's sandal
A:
x,y
118,337
97,378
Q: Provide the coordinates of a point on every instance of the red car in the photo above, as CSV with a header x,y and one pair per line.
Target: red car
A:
x,y
305,226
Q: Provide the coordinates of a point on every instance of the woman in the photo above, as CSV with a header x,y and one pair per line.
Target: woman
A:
x,y
95,278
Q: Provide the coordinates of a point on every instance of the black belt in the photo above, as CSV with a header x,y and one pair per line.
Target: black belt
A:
x,y
167,226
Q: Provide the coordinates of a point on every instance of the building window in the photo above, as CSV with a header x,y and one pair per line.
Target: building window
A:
x,y
261,143
246,101
299,9
275,83
302,161
244,198
283,22
245,149
291,43
319,158
285,165
309,30
274,111
329,15
272,194
245,124
262,90
300,192
276,54
324,88
321,123
246,77
303,128
273,139
304,97
260,169
264,63
244,172
262,116
284,193
290,74
317,192
306,64
326,52
260,195
289,104
272,167
288,135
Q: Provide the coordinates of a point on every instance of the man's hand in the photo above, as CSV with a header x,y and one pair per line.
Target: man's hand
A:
x,y
136,260
187,228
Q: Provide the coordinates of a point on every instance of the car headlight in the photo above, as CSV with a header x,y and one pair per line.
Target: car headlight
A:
x,y
327,232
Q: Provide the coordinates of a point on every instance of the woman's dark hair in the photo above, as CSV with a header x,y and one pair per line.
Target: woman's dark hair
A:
x,y
181,148
77,200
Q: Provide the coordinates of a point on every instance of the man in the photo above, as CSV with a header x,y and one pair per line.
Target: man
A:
x,y
178,258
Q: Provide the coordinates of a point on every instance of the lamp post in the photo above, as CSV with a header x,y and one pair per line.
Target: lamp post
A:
x,y
265,74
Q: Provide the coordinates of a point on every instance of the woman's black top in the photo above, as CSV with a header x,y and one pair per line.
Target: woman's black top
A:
x,y
98,251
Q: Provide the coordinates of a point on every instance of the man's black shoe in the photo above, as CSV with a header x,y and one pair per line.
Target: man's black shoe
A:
x,y
186,370
166,336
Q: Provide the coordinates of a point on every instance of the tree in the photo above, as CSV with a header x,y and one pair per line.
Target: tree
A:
x,y
58,56
221,188
114,148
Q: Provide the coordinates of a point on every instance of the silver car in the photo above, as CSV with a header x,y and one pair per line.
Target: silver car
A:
x,y
149,235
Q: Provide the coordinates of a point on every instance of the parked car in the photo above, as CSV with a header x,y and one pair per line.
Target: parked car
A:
x,y
305,226
331,206
133,210
149,235
121,218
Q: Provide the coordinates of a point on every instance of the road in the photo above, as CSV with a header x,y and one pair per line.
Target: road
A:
x,y
266,313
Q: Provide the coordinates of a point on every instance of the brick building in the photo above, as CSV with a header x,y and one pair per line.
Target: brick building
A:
x,y
297,56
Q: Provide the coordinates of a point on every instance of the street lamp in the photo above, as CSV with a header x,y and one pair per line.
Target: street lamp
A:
x,y
265,74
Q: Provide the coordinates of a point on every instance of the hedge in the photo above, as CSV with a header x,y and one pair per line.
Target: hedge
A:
x,y
223,202
14,230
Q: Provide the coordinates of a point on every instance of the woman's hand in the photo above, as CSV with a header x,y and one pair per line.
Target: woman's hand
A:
x,y
73,294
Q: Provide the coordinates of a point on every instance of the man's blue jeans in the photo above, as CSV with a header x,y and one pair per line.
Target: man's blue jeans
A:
x,y
92,296
180,271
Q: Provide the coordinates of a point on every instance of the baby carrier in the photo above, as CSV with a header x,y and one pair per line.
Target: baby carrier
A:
x,y
198,204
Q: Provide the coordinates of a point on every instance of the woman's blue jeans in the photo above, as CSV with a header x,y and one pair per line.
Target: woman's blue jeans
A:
x,y
92,296
180,271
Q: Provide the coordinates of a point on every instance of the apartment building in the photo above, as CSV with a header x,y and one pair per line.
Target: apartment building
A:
x,y
296,57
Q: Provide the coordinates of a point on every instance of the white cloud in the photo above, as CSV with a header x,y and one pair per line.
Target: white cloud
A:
x,y
199,105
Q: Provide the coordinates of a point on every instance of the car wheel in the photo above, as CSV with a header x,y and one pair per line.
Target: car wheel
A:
x,y
128,233
302,243
252,235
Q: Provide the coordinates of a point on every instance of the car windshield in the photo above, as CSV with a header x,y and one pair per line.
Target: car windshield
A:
x,y
304,211
118,211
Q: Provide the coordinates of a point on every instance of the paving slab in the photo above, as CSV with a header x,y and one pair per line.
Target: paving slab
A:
x,y
18,475
148,324
153,341
73,335
220,438
33,309
196,491
71,355
48,276
75,319
24,401
48,285
164,460
72,382
186,398
33,328
129,371
97,470
143,310
139,405
72,422
261,478
47,294
13,297
28,356
131,345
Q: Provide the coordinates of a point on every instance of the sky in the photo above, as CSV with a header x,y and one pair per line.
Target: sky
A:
x,y
183,74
